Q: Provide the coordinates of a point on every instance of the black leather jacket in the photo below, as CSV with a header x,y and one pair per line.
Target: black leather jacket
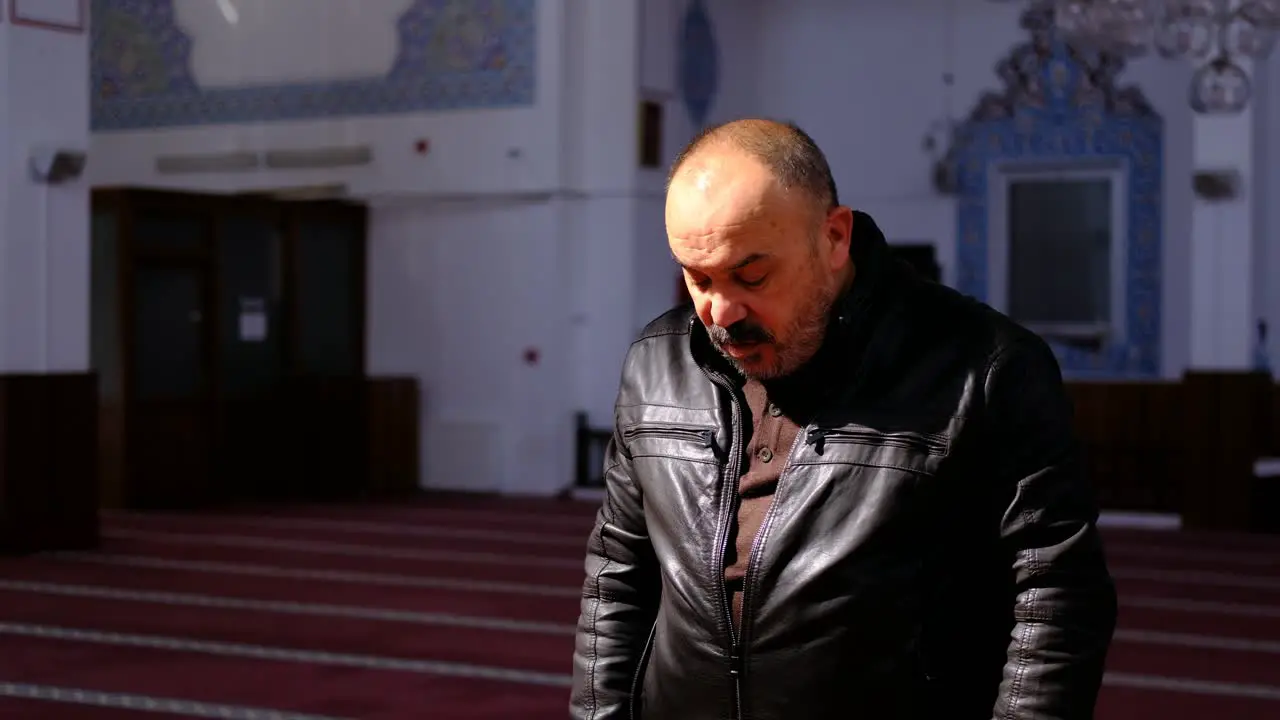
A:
x,y
931,550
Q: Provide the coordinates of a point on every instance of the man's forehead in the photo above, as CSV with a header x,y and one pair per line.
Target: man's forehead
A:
x,y
711,201
721,178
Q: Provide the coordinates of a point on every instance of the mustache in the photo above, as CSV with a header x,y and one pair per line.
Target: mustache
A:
x,y
739,333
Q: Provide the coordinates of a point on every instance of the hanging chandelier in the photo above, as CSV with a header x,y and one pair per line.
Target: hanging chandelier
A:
x,y
1220,37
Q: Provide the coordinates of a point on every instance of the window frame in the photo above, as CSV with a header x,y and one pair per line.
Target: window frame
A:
x,y
1113,170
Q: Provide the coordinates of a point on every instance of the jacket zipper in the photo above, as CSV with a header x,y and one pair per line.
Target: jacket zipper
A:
x,y
757,544
809,435
703,436
640,670
932,444
729,500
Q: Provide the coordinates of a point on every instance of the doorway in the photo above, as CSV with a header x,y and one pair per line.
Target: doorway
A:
x,y
236,324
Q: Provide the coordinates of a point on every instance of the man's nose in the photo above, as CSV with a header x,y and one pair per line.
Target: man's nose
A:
x,y
726,311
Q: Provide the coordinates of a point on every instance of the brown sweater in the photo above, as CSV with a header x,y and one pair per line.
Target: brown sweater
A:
x,y
777,414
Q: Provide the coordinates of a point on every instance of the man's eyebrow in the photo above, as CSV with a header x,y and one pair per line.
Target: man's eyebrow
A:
x,y
752,258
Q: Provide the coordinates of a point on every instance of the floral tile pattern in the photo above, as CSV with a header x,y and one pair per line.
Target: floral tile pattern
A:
x,y
1060,105
452,55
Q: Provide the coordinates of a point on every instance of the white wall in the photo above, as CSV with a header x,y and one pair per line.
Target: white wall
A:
x,y
44,249
459,292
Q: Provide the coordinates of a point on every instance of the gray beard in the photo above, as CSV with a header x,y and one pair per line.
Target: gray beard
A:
x,y
804,339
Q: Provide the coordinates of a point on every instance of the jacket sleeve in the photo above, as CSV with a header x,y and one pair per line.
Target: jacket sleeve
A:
x,y
1065,599
619,597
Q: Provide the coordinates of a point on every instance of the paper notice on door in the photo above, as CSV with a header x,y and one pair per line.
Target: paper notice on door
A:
x,y
253,320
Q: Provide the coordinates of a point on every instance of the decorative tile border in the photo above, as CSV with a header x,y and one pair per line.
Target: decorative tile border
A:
x,y
141,74
1059,106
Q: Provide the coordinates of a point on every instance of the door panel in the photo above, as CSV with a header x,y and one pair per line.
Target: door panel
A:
x,y
169,388
329,289
169,333
327,390
250,352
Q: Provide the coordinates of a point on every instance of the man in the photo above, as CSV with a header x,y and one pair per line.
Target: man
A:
x,y
834,490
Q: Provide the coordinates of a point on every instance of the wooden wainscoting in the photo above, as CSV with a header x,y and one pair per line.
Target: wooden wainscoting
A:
x,y
1181,447
309,440
250,458
1274,443
111,447
48,471
326,438
330,439
394,412
1226,424
1133,452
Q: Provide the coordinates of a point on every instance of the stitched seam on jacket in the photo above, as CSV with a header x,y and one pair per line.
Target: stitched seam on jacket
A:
x,y
595,614
1015,688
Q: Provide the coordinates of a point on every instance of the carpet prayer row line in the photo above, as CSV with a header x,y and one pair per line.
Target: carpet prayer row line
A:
x,y
464,608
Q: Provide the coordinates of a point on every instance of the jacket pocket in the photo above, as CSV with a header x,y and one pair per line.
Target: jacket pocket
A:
x,y
674,440
911,451
921,442
671,431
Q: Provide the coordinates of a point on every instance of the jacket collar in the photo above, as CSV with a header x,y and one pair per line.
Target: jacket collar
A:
x,y
873,265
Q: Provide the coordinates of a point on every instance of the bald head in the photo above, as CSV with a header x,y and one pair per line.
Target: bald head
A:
x,y
752,219
791,157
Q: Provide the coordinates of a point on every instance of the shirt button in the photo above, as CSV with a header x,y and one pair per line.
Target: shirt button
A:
x,y
774,410
766,454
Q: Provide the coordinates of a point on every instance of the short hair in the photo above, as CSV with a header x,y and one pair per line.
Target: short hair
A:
x,y
788,152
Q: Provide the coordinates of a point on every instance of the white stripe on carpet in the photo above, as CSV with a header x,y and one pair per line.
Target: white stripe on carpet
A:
x,y
337,576
575,541
147,703
256,542
221,602
262,652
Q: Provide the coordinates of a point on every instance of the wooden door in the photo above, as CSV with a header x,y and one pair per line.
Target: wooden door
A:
x,y
250,354
326,349
170,397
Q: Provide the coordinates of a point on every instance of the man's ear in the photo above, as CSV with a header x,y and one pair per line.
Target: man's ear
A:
x,y
838,233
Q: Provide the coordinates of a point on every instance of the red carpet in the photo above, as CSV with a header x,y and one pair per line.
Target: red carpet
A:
x,y
464,608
